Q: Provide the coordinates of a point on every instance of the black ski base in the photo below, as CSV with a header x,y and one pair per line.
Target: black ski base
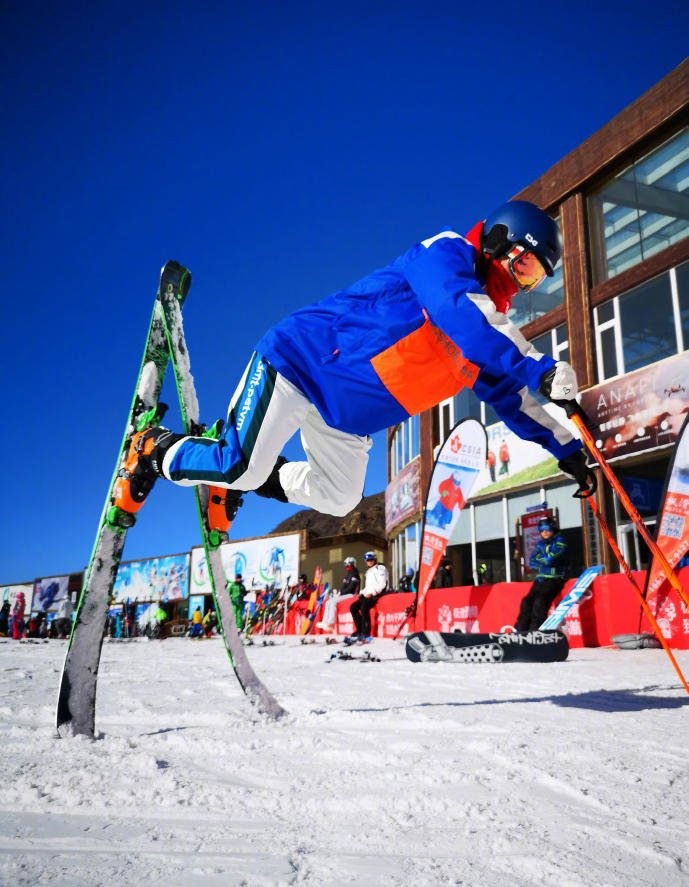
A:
x,y
516,646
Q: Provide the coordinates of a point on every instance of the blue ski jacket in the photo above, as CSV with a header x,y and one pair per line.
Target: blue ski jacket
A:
x,y
549,558
407,337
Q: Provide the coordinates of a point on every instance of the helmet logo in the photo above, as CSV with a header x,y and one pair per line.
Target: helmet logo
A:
x,y
532,240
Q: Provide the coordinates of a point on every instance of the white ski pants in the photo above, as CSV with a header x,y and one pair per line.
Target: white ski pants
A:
x,y
264,413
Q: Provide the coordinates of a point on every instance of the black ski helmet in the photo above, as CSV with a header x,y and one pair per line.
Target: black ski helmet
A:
x,y
547,523
521,222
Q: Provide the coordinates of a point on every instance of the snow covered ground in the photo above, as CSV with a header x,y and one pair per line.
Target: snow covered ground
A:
x,y
384,774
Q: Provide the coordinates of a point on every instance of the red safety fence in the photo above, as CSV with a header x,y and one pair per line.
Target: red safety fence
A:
x,y
612,608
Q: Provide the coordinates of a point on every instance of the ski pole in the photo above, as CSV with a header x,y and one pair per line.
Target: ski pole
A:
x,y
409,612
647,610
577,415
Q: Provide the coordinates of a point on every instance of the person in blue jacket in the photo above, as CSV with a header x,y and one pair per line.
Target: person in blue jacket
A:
x,y
549,560
396,343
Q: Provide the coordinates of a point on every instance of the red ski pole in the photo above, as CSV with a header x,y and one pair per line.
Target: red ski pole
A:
x,y
577,416
647,610
410,612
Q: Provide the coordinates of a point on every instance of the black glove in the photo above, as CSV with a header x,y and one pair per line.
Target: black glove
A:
x,y
575,466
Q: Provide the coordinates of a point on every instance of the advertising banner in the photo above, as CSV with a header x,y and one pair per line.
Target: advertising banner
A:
x,y
642,410
9,593
672,535
271,560
512,461
403,495
460,459
48,594
156,579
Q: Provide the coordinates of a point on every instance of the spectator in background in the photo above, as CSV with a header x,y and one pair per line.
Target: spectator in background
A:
x,y
5,619
443,577
159,618
196,619
406,582
32,630
549,560
18,617
237,592
376,583
131,618
209,622
483,573
64,617
352,580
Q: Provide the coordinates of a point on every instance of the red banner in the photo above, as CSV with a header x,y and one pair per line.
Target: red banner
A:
x,y
672,535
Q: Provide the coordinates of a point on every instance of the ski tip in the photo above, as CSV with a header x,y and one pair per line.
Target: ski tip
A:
x,y
181,277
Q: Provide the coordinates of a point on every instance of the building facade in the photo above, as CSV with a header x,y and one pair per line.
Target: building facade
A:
x,y
618,311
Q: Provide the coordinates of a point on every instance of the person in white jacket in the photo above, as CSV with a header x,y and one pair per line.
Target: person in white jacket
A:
x,y
376,583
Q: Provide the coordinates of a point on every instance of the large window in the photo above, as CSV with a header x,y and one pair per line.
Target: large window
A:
x,y
555,344
405,444
642,210
644,325
405,551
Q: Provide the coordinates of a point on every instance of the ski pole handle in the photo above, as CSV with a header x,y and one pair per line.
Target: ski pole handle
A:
x,y
574,409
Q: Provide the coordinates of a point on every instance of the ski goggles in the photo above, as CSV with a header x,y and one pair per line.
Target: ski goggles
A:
x,y
526,268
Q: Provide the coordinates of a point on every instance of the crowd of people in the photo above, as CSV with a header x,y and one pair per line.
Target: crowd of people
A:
x,y
548,561
17,624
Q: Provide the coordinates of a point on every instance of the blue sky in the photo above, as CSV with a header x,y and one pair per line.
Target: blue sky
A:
x,y
280,151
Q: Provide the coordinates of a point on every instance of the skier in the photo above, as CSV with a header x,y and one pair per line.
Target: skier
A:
x,y
196,619
549,559
376,583
396,343
5,618
64,617
352,580
18,616
237,591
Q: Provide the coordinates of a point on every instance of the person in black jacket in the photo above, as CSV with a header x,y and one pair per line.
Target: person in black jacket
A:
x,y
352,580
443,577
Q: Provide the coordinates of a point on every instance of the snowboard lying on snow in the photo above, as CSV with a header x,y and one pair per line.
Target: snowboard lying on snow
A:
x,y
515,646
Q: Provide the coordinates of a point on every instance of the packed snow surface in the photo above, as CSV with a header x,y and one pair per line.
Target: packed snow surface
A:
x,y
385,773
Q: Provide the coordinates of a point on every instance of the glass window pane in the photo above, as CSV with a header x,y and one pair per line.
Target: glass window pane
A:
x,y
488,520
491,417
607,341
606,311
415,438
642,210
648,327
544,344
467,405
683,291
